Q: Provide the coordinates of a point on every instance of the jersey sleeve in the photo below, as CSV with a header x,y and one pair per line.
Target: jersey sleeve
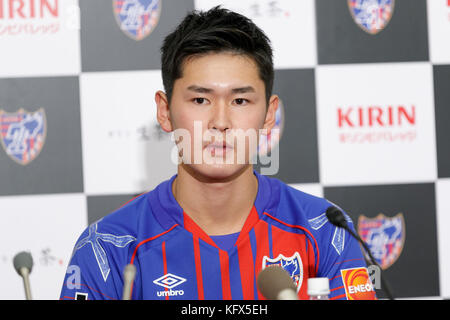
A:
x,y
94,271
343,263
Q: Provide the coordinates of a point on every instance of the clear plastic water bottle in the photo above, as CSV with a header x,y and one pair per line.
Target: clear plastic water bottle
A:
x,y
318,288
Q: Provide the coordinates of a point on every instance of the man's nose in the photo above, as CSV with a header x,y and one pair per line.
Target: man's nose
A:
x,y
220,117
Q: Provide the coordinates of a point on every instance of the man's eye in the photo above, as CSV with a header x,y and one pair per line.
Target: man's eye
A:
x,y
240,101
199,100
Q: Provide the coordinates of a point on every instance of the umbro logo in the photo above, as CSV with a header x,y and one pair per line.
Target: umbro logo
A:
x,y
169,281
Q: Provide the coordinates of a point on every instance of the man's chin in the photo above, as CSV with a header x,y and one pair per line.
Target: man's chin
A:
x,y
216,172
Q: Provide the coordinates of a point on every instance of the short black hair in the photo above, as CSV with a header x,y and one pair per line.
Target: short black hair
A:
x,y
214,31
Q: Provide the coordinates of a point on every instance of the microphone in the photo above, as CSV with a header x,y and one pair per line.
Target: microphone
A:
x,y
337,218
275,284
23,263
129,273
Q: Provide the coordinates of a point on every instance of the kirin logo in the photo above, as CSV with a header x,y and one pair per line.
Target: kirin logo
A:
x,y
23,134
372,16
137,18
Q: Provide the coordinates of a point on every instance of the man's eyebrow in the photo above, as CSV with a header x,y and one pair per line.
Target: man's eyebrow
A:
x,y
200,89
243,89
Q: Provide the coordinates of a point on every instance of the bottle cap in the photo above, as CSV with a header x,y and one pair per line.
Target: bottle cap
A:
x,y
318,287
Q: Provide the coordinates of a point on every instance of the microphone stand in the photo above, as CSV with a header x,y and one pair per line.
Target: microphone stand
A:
x,y
26,282
129,274
386,288
337,218
23,263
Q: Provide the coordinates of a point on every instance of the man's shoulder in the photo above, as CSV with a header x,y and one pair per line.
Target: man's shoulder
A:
x,y
127,216
303,211
299,207
135,218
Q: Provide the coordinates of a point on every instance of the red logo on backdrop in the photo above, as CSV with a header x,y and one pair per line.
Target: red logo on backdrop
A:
x,y
29,17
377,124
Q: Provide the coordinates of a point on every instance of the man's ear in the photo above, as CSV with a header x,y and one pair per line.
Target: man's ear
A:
x,y
163,112
270,120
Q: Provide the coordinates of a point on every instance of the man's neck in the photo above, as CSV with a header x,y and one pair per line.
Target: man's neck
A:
x,y
217,207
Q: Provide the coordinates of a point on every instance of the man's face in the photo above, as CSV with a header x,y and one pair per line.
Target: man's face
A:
x,y
220,103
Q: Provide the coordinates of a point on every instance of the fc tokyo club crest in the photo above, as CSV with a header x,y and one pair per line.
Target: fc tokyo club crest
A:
x,y
371,15
293,265
23,134
385,237
137,18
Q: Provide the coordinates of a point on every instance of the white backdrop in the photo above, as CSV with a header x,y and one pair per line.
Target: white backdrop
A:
x,y
125,153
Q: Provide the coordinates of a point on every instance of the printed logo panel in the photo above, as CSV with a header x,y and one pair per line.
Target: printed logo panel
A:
x,y
371,130
23,134
47,226
357,283
296,17
297,149
398,223
42,37
365,31
371,15
127,135
439,30
127,34
385,237
137,18
442,103
40,136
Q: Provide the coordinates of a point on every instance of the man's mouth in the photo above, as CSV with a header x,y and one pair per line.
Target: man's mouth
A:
x,y
218,148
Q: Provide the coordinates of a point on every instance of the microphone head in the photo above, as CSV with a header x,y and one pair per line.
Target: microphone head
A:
x,y
336,217
273,280
23,260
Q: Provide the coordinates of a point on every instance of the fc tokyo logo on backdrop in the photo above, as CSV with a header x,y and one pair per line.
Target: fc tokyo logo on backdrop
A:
x,y
371,15
293,265
385,237
23,134
137,18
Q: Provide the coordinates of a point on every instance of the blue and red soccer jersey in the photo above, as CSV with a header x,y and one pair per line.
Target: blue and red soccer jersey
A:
x,y
176,259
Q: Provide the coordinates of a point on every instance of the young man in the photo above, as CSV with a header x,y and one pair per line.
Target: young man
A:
x,y
207,232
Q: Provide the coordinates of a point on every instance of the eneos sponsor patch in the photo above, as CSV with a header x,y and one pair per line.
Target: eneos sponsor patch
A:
x,y
357,283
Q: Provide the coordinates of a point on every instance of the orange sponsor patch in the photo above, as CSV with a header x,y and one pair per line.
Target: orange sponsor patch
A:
x,y
358,285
